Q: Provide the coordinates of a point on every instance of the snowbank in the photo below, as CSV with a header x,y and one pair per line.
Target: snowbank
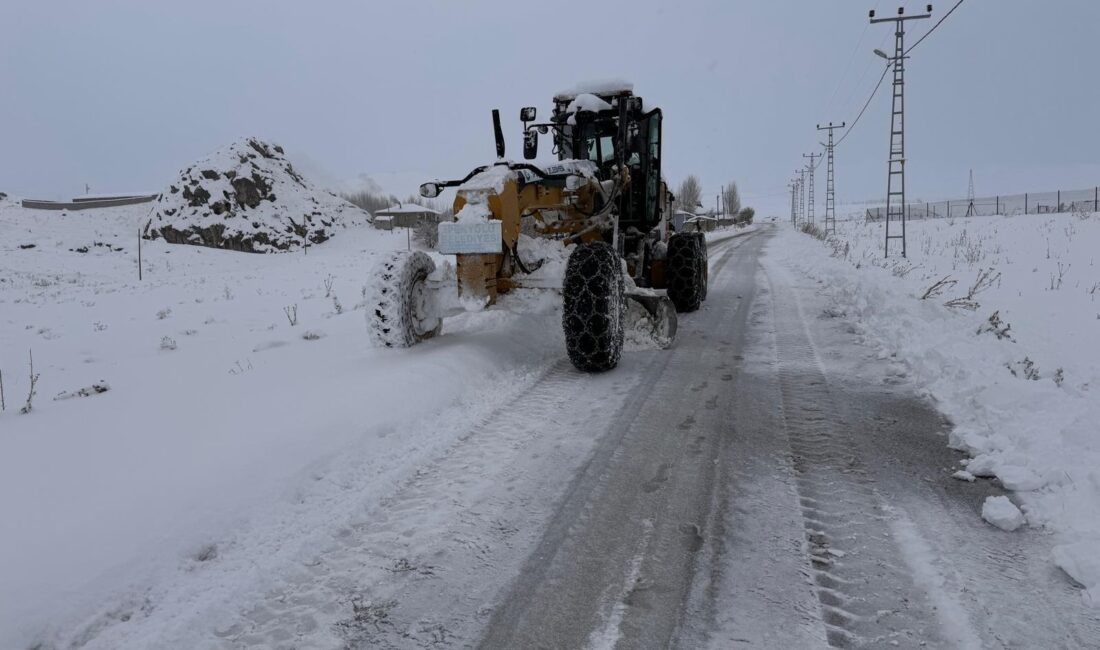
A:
x,y
248,197
1013,363
230,439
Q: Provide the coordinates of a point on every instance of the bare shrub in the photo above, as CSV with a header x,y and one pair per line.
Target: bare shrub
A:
x,y
291,312
1025,368
328,286
985,279
167,343
31,392
426,232
813,231
941,285
1056,283
996,327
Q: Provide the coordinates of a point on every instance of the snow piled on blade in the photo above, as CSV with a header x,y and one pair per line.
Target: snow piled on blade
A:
x,y
490,180
248,197
996,318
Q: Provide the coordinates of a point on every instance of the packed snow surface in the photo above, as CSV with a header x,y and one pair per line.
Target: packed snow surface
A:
x,y
996,319
248,196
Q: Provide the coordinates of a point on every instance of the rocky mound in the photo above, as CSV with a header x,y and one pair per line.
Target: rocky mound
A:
x,y
248,197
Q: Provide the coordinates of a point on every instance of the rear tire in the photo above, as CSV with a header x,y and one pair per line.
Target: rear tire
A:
x,y
593,307
401,308
687,271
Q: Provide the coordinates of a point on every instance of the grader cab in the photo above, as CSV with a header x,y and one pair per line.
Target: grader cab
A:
x,y
604,198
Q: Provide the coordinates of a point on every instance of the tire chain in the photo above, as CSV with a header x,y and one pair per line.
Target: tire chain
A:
x,y
593,307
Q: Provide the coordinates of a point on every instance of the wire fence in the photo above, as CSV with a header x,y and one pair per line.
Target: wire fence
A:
x,y
1011,204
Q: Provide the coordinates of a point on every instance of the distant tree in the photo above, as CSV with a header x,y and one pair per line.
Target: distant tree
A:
x,y
744,216
691,191
732,198
370,202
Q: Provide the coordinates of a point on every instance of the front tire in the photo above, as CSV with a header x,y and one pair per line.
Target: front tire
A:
x,y
401,308
687,271
593,307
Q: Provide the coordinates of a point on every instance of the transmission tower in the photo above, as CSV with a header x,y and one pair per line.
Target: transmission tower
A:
x,y
810,199
895,178
970,196
830,179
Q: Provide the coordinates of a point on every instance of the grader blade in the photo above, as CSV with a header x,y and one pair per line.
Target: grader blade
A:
x,y
650,318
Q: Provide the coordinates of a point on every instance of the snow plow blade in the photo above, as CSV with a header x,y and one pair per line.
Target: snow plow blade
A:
x,y
650,318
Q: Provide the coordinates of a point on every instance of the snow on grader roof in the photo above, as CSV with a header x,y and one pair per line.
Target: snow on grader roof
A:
x,y
605,87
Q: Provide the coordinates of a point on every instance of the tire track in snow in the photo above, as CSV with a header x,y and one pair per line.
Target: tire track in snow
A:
x,y
867,593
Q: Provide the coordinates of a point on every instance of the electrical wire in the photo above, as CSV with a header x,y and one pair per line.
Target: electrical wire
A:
x,y
938,23
887,69
865,105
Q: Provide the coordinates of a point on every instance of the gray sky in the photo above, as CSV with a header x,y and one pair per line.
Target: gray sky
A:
x,y
121,94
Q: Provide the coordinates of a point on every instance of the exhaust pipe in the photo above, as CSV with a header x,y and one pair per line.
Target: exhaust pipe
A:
x,y
498,134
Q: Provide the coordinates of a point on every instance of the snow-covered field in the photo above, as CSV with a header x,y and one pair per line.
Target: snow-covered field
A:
x,y
1006,345
227,432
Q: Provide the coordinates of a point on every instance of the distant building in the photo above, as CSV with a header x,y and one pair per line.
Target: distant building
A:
x,y
404,215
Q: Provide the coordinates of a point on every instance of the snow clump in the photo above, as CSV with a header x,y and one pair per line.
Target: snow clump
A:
x,y
1002,513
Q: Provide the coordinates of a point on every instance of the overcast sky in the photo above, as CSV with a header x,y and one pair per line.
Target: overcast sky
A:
x,y
121,94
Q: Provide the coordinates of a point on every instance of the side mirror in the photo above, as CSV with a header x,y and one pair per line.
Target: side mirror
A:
x,y
527,114
530,144
429,190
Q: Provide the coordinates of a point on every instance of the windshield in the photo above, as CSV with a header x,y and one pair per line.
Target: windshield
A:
x,y
595,146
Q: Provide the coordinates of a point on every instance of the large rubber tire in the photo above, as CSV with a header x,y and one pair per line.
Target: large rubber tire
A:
x,y
593,307
705,266
401,308
687,271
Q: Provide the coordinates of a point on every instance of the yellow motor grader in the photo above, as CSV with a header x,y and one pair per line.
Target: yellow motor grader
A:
x,y
604,198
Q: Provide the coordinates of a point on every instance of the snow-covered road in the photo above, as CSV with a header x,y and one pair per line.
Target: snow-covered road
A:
x,y
769,482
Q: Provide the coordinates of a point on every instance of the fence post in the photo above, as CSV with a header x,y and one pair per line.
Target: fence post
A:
x,y
949,209
1025,202
998,210
1096,199
1059,201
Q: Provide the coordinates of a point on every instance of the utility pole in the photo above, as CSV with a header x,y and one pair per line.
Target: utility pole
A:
x,y
810,199
895,177
830,181
970,196
794,200
802,195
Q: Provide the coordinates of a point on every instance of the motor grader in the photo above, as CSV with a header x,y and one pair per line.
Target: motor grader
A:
x,y
604,198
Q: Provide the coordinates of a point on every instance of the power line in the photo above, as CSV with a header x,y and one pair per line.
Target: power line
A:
x,y
940,22
887,69
865,105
